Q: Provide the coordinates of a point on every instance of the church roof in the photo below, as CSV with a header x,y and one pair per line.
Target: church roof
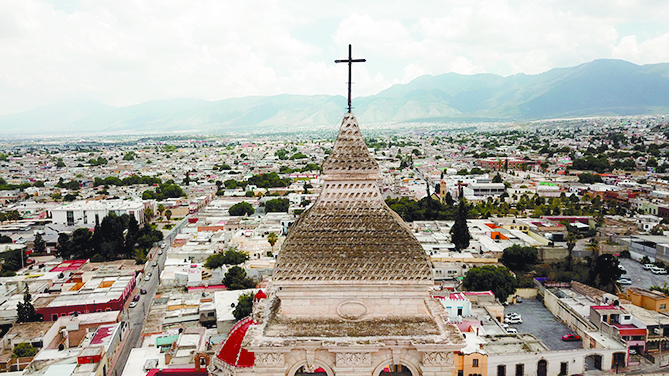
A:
x,y
350,234
232,352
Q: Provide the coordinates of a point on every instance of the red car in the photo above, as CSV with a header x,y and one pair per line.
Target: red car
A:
x,y
571,337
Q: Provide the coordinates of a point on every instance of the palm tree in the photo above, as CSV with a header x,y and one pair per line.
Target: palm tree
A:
x,y
272,239
571,243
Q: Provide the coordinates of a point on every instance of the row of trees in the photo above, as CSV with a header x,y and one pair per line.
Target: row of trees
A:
x,y
115,237
163,192
130,180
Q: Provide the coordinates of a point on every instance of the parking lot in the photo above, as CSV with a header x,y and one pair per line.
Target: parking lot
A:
x,y
642,278
537,320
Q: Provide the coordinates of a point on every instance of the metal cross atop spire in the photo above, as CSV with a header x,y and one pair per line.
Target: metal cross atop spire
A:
x,y
350,60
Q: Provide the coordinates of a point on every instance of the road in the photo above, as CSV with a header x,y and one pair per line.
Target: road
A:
x,y
642,278
135,316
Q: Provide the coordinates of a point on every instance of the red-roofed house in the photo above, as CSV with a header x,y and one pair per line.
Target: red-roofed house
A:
x,y
615,321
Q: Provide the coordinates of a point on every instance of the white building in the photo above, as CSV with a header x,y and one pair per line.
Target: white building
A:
x,y
87,212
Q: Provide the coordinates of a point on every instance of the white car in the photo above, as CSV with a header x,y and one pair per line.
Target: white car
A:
x,y
514,320
512,331
657,270
512,315
133,304
648,266
624,281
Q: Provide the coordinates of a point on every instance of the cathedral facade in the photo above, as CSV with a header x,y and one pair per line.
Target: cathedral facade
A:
x,y
350,294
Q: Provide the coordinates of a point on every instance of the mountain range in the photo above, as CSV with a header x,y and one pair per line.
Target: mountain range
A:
x,y
600,87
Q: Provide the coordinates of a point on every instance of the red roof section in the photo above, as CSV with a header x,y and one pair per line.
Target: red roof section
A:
x,y
260,295
69,265
102,333
232,351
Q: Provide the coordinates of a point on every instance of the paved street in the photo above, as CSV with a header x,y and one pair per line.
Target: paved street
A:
x,y
642,278
537,320
135,316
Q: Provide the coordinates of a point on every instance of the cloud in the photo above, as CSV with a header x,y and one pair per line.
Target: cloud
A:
x,y
124,52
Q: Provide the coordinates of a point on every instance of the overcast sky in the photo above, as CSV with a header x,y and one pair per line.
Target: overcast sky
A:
x,y
123,52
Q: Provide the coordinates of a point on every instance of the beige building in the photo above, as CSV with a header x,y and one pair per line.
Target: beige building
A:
x,y
351,288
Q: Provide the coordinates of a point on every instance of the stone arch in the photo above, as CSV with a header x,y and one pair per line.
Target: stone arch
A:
x,y
542,367
198,363
317,364
415,371
596,361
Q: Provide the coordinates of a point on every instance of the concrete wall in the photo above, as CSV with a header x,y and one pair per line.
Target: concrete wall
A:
x,y
575,360
552,254
569,317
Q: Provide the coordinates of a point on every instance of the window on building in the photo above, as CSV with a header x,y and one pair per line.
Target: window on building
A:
x,y
663,306
563,368
461,372
501,370
459,311
475,362
520,369
70,218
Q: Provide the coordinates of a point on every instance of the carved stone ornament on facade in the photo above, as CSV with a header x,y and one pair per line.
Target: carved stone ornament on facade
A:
x,y
353,359
269,359
437,358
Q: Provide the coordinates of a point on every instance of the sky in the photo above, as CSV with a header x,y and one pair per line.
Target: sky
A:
x,y
125,52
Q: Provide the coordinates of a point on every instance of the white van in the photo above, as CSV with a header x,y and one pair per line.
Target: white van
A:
x,y
648,266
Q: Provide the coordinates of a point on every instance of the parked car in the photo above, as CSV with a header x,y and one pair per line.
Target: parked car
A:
x,y
142,291
622,268
512,314
160,252
657,270
624,281
505,325
514,320
571,337
154,264
648,266
147,278
133,304
136,298
518,299
512,331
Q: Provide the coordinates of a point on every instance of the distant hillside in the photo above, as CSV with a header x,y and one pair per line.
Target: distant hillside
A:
x,y
601,87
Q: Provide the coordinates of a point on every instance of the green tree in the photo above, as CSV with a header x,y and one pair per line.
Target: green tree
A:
x,y
244,306
161,209
168,214
497,178
63,245
460,232
39,245
571,243
25,309
519,258
272,238
148,214
241,208
230,257
449,199
277,205
129,156
497,279
24,350
236,279
606,272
